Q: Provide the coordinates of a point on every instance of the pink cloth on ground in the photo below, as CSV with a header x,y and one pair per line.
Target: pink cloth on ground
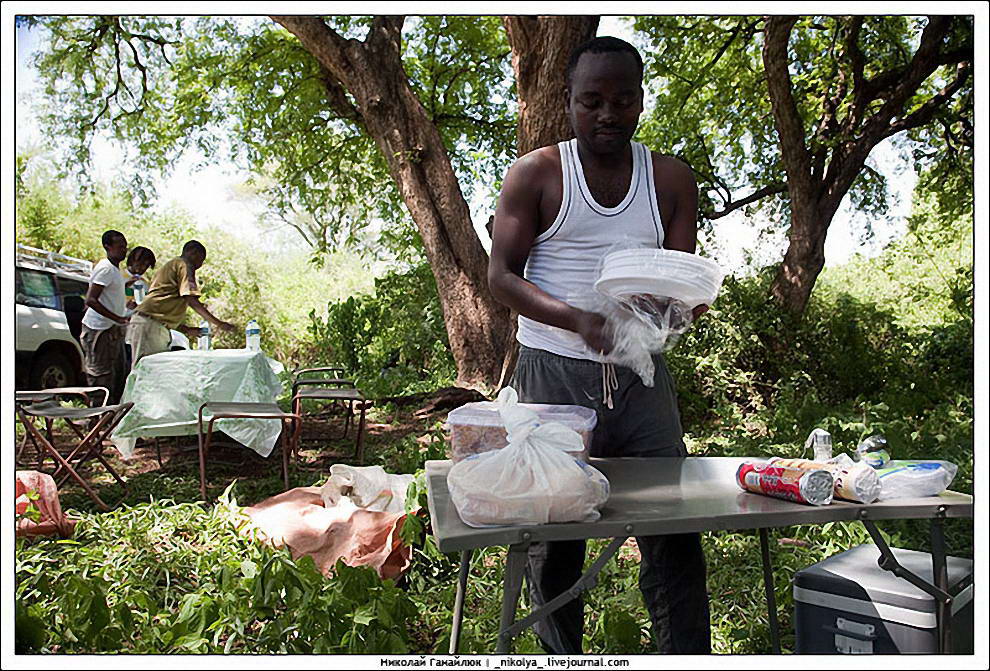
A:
x,y
52,520
298,519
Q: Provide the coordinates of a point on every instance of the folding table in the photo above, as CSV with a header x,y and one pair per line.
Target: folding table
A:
x,y
673,496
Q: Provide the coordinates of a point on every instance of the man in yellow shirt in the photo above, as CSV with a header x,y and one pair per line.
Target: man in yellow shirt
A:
x,y
173,289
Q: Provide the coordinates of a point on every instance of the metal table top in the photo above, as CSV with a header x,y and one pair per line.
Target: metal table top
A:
x,y
674,495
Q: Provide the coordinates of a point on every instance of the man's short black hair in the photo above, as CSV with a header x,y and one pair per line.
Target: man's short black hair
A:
x,y
193,246
139,254
602,45
110,236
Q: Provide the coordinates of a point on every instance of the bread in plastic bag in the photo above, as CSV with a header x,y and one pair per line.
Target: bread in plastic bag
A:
x,y
909,478
533,480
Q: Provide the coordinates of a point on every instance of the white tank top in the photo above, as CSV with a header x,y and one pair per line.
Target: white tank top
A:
x,y
564,260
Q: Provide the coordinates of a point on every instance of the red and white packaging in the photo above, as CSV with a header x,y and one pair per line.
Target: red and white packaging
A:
x,y
813,487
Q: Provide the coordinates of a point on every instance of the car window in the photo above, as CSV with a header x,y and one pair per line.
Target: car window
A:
x,y
36,289
67,288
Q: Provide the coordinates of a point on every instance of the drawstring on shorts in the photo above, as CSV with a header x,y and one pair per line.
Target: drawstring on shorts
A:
x,y
610,382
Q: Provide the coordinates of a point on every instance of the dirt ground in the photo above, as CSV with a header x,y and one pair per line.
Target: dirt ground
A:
x,y
176,476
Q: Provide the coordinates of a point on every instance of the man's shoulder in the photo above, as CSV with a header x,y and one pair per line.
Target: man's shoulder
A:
x,y
668,166
544,161
103,270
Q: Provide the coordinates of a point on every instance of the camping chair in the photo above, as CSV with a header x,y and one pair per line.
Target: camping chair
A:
x,y
28,397
244,410
105,419
331,389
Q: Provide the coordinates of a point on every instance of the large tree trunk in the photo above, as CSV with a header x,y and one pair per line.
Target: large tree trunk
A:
x,y
541,47
371,72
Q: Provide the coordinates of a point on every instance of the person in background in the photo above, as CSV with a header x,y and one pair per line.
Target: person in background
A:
x,y
139,261
562,207
173,289
102,334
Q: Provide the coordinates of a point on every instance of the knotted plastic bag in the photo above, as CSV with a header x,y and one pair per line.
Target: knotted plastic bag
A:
x,y
533,480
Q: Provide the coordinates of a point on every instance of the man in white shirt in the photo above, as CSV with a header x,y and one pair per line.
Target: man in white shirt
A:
x,y
103,324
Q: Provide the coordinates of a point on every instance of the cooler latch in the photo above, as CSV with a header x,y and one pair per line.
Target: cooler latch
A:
x,y
853,638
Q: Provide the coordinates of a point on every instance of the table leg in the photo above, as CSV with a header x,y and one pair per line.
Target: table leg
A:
x,y
462,578
768,588
512,586
940,574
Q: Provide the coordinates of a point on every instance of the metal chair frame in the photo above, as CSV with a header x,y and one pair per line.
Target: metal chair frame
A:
x,y
90,446
236,410
38,396
332,389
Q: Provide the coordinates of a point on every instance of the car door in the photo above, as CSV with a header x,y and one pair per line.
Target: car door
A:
x,y
38,315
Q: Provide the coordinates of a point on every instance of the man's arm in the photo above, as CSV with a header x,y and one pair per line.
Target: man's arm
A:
x,y
517,220
678,197
200,309
93,294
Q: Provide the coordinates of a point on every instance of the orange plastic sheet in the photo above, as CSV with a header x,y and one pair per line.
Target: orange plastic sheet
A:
x,y
298,519
51,521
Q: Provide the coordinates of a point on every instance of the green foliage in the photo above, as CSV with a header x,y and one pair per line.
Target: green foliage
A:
x,y
243,89
393,341
712,109
163,578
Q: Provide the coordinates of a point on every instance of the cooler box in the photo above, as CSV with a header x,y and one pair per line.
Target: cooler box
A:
x,y
848,604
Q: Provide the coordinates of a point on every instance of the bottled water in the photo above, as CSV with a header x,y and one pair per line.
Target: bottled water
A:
x,y
252,336
204,335
139,289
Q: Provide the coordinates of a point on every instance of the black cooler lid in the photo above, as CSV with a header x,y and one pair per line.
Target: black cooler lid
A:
x,y
856,574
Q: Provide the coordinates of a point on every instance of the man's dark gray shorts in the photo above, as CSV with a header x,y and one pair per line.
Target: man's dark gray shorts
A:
x,y
643,420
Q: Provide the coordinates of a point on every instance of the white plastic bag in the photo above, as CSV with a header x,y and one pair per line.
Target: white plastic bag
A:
x,y
905,479
368,487
530,481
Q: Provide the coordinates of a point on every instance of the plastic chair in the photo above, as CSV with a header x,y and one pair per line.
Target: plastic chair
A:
x,y
243,410
331,389
90,446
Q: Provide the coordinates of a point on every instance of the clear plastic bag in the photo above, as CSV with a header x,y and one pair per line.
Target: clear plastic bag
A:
x,y
908,478
647,297
533,480
368,487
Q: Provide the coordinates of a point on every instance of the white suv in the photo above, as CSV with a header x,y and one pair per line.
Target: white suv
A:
x,y
51,294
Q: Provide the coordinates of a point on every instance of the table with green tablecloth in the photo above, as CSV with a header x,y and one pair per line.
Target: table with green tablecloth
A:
x,y
167,390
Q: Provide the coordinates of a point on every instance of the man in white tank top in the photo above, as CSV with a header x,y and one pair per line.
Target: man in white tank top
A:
x,y
561,209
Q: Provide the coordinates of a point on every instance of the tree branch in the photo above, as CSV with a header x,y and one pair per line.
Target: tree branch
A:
x,y
926,112
797,162
732,206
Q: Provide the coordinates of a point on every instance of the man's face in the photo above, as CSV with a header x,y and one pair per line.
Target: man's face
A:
x,y
604,101
197,259
140,267
117,250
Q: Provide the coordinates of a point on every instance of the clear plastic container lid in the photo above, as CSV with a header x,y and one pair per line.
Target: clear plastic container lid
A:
x,y
485,413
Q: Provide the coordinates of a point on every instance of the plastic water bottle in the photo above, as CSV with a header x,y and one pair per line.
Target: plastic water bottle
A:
x,y
252,336
820,441
139,289
204,335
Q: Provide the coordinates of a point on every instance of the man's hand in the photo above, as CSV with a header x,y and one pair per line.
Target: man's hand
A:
x,y
123,321
189,331
591,327
131,305
225,326
699,310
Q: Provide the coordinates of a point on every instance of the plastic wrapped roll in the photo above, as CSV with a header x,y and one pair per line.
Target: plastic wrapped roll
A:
x,y
852,481
873,451
793,484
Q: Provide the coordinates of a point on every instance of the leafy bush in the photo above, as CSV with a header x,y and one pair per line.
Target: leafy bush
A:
x,y
162,578
393,341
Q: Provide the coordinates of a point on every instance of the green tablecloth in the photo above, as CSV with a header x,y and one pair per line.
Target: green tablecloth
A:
x,y
168,388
